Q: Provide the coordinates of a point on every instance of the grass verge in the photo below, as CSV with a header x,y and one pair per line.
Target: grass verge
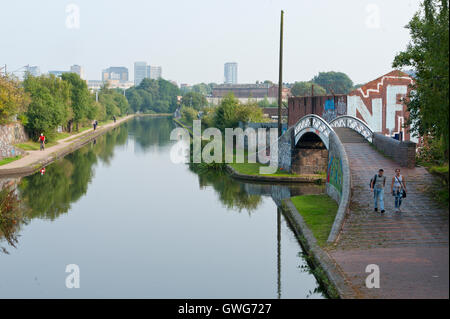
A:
x,y
318,212
9,160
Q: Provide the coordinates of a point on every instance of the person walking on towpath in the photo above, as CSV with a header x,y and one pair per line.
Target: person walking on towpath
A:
x,y
377,186
398,189
42,141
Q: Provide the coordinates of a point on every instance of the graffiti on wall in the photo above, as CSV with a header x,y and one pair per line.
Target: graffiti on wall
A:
x,y
334,173
333,109
379,103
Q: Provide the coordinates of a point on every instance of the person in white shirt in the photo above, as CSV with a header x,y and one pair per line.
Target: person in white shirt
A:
x,y
398,188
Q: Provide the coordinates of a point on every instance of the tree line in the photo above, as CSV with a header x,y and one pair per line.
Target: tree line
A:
x,y
47,102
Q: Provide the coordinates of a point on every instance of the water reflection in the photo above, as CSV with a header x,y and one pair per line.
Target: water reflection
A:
x,y
67,181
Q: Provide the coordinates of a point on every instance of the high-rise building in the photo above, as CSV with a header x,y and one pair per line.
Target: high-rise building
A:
x,y
115,73
230,72
78,69
154,72
140,72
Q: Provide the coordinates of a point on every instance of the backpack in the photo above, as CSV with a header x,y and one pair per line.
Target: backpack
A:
x,y
374,180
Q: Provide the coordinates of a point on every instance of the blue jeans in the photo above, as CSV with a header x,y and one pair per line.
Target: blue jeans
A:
x,y
378,193
398,194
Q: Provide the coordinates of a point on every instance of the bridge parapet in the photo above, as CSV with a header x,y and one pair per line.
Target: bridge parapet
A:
x,y
355,124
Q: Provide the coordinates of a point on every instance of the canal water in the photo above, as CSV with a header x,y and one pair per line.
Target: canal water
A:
x,y
139,226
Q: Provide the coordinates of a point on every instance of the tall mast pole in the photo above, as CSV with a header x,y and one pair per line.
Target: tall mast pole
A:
x,y
280,75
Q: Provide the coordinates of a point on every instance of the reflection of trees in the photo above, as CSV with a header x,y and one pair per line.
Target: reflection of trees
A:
x,y
65,181
149,131
231,192
10,216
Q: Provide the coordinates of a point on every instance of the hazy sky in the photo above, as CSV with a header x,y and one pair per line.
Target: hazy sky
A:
x,y
192,39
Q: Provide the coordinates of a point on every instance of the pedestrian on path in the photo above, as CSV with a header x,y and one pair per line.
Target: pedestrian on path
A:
x,y
398,189
377,184
42,141
94,124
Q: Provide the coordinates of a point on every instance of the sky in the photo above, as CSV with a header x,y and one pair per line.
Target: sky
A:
x,y
192,39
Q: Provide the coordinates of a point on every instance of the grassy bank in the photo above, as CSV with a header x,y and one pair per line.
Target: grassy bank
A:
x,y
9,160
253,169
318,212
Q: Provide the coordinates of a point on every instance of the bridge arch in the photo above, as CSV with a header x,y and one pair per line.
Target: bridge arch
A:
x,y
355,124
312,123
311,140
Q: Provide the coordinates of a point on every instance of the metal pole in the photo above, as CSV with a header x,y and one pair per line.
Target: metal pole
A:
x,y
280,75
279,253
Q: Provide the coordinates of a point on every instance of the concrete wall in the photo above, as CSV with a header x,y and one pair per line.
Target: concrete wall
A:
x,y
338,185
11,134
404,153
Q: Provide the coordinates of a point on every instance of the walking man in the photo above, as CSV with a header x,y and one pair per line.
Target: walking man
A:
x,y
42,141
377,186
398,189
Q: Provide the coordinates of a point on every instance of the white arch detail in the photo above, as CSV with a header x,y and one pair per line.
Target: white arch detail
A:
x,y
355,124
314,124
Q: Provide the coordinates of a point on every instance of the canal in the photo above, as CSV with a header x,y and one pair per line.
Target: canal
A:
x,y
139,226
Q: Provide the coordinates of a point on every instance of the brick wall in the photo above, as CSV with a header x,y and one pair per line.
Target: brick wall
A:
x,y
327,107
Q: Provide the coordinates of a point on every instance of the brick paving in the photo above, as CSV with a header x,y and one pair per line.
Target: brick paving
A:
x,y
411,247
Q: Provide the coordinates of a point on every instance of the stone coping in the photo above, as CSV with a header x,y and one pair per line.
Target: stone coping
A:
x,y
319,257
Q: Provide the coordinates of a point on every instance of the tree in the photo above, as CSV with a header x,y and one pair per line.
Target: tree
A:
x,y
188,114
334,82
49,106
80,97
428,55
195,100
151,95
13,99
305,89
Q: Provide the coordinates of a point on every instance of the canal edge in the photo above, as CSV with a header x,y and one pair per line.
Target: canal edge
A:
x,y
326,270
75,145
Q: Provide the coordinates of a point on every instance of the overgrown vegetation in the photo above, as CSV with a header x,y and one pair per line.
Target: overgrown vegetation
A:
x,y
428,55
64,101
153,96
13,100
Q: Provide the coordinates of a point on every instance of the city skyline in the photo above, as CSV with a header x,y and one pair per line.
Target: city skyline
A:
x,y
311,46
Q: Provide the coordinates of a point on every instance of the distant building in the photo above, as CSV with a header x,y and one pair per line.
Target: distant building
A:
x,y
57,73
115,73
33,70
154,72
78,70
94,85
257,91
140,72
230,73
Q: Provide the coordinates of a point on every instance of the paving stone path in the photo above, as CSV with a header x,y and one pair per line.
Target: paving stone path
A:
x,y
410,248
